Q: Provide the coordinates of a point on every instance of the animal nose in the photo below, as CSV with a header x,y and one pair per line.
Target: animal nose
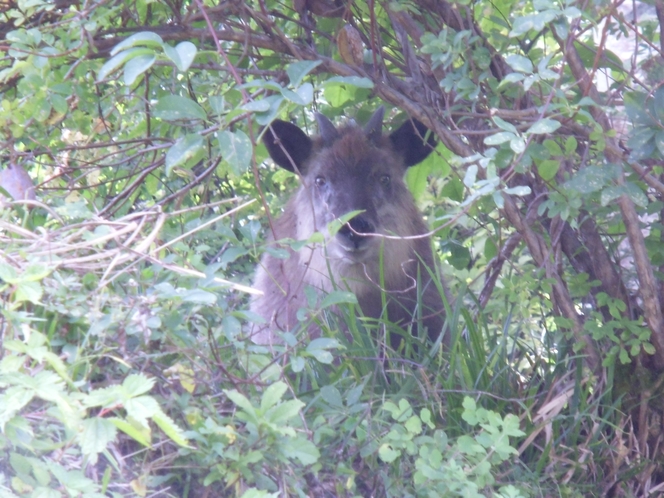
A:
x,y
353,231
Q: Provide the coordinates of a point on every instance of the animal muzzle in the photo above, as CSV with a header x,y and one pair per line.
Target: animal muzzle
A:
x,y
352,234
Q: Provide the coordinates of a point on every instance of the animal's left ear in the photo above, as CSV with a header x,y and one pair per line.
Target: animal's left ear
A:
x,y
409,141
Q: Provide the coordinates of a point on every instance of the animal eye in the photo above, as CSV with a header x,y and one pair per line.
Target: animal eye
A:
x,y
320,181
385,180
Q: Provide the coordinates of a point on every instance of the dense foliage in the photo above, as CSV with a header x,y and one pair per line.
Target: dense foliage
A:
x,y
125,368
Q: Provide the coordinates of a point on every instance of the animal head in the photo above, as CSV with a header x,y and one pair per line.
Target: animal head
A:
x,y
352,169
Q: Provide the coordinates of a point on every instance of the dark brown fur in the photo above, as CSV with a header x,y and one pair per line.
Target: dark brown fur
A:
x,y
354,165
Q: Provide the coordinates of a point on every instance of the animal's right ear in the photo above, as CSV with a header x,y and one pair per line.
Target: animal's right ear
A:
x,y
287,145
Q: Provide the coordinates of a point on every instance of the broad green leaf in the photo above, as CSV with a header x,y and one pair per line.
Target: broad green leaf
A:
x,y
273,395
182,55
499,138
96,434
387,453
262,105
518,145
357,81
199,296
298,70
414,425
520,63
241,401
137,66
283,412
297,363
331,396
176,107
236,150
144,38
302,449
548,169
28,291
504,125
520,190
115,62
545,125
183,150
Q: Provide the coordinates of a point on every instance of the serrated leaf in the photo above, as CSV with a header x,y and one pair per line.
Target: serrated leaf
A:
x,y
273,395
283,412
28,291
170,428
175,107
139,433
137,66
241,401
96,434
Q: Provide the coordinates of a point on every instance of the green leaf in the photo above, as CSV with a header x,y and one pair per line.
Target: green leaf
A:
x,y
175,107
283,412
236,149
273,395
139,433
548,169
504,125
414,425
499,138
262,105
28,291
338,297
318,348
96,434
298,70
144,38
356,81
183,150
545,125
520,63
170,428
388,454
302,449
520,190
241,401
115,62
182,55
137,66
331,396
